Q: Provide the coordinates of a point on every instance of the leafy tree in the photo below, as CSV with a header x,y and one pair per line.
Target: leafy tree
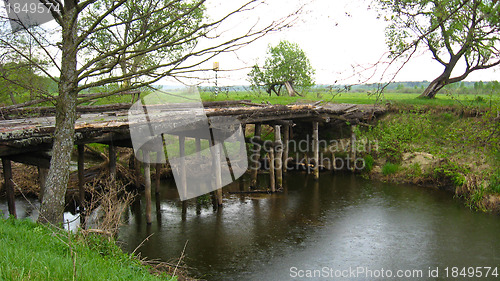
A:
x,y
18,81
286,65
455,32
80,59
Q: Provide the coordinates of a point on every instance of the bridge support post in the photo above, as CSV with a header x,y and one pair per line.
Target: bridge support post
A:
x,y
316,149
42,176
216,155
198,147
254,160
81,183
9,186
272,180
182,155
157,179
353,146
112,164
137,166
279,157
147,185
286,136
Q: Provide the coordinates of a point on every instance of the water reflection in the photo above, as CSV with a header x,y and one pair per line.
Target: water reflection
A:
x,y
336,222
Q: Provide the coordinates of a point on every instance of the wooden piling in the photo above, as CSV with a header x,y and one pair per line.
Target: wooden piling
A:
x,y
182,154
218,173
147,185
137,170
286,136
112,163
316,149
278,164
256,155
42,177
198,147
81,176
353,146
9,186
272,180
157,179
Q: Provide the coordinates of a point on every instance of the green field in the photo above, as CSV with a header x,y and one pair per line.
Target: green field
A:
x,y
482,100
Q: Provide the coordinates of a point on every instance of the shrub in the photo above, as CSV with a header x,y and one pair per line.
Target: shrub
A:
x,y
495,182
389,168
369,162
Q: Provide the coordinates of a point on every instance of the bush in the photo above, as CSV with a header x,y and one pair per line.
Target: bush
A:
x,y
369,163
390,168
452,172
495,182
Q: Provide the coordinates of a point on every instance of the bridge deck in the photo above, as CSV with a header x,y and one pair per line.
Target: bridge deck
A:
x,y
25,134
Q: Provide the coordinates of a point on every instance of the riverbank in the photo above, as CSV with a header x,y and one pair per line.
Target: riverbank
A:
x,y
441,149
32,251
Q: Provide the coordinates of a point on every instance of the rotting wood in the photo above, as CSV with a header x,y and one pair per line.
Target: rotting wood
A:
x,y
112,163
217,170
353,146
158,175
316,150
42,177
182,159
81,183
278,165
286,135
147,185
272,178
255,158
9,186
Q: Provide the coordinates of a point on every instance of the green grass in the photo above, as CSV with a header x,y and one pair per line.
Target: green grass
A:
x,y
441,99
390,168
30,251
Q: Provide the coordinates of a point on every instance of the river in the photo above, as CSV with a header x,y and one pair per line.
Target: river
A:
x,y
339,226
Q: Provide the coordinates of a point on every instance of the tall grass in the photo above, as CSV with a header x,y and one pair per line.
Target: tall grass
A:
x,y
30,251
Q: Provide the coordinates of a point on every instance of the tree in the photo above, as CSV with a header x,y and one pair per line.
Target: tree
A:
x,y
17,80
81,60
462,35
286,65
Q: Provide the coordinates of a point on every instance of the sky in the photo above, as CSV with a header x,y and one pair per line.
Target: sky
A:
x,y
335,35
340,38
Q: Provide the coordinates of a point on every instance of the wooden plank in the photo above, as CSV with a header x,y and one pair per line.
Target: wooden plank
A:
x,y
40,159
9,186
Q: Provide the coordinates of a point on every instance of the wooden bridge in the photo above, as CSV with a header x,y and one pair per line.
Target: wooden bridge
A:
x,y
26,135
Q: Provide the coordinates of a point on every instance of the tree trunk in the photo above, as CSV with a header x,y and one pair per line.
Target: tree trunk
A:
x,y
434,87
12,98
443,79
52,207
290,89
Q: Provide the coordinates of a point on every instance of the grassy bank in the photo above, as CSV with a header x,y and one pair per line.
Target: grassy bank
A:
x,y
34,252
440,149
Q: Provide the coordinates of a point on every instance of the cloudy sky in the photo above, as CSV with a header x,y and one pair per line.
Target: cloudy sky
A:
x,y
336,35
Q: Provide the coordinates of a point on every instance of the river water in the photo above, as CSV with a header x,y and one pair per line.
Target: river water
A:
x,y
339,226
